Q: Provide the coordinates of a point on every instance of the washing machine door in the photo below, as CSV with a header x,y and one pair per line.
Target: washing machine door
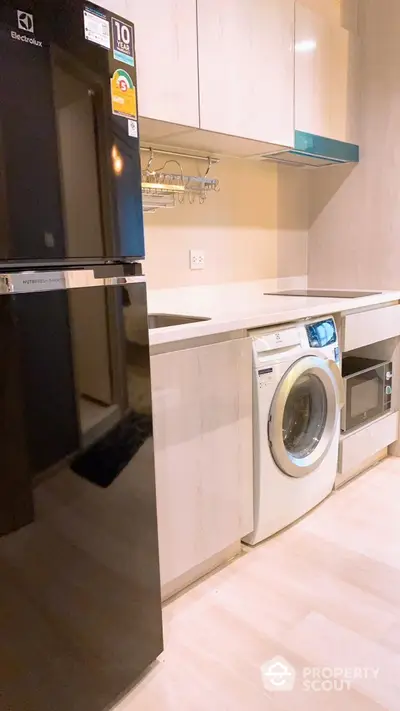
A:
x,y
304,414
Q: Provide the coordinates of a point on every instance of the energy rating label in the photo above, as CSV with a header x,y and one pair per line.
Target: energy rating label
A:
x,y
123,95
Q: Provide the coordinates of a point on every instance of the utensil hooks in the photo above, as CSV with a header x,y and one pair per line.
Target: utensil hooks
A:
x,y
160,185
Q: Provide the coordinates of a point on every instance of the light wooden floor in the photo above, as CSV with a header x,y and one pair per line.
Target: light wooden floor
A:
x,y
324,593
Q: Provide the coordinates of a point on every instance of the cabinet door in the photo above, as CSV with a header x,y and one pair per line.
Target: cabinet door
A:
x,y
202,407
321,73
246,68
117,6
166,55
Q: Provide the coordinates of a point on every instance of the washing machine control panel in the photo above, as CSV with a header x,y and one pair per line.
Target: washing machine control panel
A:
x,y
322,333
266,376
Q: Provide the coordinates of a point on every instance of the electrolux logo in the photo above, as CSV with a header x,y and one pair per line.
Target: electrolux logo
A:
x,y
24,38
26,24
25,21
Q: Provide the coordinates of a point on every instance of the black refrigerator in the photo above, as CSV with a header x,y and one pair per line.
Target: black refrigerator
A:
x,y
80,609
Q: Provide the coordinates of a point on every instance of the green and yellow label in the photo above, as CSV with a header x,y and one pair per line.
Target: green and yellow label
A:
x,y
123,95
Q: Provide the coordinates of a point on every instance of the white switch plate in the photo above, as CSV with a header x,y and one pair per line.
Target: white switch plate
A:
x,y
197,259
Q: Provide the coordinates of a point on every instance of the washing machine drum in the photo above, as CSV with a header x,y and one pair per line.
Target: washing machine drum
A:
x,y
304,415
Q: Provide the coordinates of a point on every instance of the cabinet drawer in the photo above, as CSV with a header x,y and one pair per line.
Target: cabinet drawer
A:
x,y
361,329
362,445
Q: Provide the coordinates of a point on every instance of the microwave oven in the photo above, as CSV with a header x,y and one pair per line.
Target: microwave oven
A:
x,y
368,391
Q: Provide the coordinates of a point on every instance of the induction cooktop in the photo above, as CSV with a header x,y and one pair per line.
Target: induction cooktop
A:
x,y
324,293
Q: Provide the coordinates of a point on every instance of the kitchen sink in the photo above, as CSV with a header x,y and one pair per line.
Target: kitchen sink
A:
x,y
164,320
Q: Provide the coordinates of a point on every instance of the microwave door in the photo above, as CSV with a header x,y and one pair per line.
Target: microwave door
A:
x,y
365,396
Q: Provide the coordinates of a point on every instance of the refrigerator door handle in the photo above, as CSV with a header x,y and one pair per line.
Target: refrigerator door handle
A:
x,y
33,282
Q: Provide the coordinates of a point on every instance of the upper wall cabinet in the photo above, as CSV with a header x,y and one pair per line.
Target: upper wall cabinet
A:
x,y
117,6
322,75
246,68
166,53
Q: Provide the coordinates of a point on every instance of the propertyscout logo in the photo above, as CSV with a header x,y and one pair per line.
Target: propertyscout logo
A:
x,y
279,675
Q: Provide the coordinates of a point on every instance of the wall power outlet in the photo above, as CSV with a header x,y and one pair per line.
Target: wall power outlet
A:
x,y
197,259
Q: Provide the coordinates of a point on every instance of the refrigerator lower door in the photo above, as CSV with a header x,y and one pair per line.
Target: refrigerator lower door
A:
x,y
80,608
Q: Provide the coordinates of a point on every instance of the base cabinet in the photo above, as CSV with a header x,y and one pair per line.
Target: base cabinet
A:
x,y
357,450
202,405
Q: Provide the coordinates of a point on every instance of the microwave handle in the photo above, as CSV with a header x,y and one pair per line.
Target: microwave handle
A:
x,y
339,382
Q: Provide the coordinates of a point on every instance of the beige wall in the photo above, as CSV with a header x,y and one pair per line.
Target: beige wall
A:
x,y
292,221
339,12
355,213
331,9
253,228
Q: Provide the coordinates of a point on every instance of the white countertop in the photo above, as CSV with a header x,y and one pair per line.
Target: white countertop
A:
x,y
234,307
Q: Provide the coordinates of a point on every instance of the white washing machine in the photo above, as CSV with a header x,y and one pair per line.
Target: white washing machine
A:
x,y
297,394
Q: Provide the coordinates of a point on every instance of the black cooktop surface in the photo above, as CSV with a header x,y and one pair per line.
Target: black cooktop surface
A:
x,y
324,293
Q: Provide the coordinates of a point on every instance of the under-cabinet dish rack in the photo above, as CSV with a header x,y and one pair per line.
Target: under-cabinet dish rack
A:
x,y
162,189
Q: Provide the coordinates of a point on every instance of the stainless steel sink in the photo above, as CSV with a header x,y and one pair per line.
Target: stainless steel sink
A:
x,y
164,320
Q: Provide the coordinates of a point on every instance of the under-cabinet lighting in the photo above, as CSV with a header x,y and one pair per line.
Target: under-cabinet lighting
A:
x,y
305,46
151,203
165,187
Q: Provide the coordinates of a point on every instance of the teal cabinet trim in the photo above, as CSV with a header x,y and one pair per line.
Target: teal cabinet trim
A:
x,y
320,147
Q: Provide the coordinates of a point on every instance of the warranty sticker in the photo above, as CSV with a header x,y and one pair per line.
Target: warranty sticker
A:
x,y
97,27
123,95
123,41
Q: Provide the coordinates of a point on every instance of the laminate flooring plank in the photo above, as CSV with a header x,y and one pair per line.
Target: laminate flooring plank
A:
x,y
324,592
